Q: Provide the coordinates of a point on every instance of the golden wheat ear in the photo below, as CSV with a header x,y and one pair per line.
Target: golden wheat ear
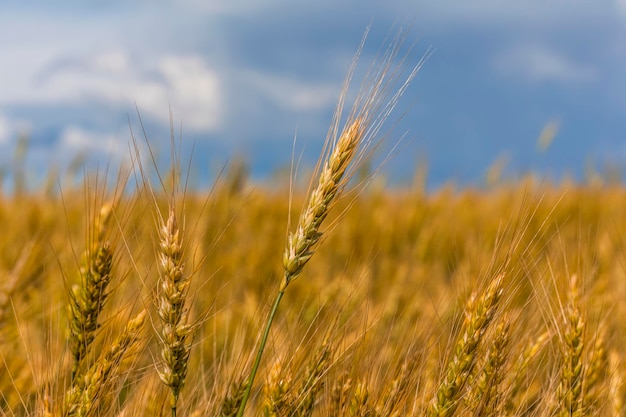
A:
x,y
176,332
91,389
570,389
301,244
88,297
479,313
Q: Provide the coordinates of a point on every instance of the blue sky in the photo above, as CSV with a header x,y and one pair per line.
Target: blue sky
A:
x,y
246,77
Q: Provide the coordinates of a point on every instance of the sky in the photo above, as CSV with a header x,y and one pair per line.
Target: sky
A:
x,y
534,86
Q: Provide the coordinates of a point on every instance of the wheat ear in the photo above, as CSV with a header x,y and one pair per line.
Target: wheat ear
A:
x,y
596,377
301,244
340,395
359,403
232,400
176,333
519,379
484,396
399,388
572,370
617,386
87,299
478,316
276,393
312,382
88,390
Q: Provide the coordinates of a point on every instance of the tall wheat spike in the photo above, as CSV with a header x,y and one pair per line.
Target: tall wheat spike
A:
x,y
176,333
338,162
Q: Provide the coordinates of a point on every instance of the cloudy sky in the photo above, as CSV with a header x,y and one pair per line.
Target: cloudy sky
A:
x,y
246,77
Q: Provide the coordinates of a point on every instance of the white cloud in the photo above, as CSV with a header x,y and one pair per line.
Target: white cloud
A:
x,y
184,83
112,61
535,63
75,140
194,91
68,60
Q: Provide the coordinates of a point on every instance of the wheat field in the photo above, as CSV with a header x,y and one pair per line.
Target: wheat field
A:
x,y
344,299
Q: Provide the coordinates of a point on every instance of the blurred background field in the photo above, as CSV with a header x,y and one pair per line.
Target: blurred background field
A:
x,y
378,309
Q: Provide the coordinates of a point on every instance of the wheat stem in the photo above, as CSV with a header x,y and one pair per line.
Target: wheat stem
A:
x,y
259,353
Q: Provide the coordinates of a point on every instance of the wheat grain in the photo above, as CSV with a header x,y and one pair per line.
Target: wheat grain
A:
x,y
301,244
176,333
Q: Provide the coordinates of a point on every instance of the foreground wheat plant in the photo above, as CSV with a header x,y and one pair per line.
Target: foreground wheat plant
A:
x,y
336,166
301,244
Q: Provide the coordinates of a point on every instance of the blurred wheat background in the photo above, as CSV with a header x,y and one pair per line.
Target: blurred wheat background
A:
x,y
506,300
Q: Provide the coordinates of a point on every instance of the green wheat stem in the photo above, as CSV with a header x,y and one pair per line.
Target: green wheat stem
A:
x,y
259,354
